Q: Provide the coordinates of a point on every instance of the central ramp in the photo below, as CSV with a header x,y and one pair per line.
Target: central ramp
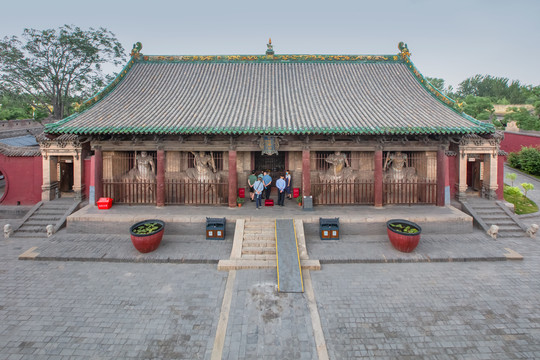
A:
x,y
289,272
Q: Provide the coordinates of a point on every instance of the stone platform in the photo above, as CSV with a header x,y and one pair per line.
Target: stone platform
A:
x,y
189,220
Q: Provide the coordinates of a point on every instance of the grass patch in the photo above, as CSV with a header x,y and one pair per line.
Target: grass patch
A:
x,y
523,205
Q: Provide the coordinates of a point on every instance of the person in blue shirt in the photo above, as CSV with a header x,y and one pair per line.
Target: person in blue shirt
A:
x,y
267,180
258,187
281,185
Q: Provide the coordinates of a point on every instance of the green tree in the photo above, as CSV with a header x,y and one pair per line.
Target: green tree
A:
x,y
512,177
51,66
496,88
437,82
524,119
478,107
527,187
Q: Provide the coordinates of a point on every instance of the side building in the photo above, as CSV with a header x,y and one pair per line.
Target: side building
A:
x,y
352,129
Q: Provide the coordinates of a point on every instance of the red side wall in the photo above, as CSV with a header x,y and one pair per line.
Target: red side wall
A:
x,y
23,179
514,141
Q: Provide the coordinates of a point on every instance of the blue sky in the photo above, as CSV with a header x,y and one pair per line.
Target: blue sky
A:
x,y
448,39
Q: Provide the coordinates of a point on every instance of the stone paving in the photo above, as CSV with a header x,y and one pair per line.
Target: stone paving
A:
x,y
135,310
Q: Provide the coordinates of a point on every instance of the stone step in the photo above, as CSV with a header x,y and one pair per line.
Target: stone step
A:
x,y
50,219
259,257
238,264
259,243
255,237
39,222
490,211
58,214
509,228
269,231
510,234
258,250
499,221
29,235
32,229
258,225
495,216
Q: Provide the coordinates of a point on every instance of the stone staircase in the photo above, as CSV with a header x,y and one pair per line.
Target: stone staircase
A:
x,y
45,213
488,212
254,246
259,241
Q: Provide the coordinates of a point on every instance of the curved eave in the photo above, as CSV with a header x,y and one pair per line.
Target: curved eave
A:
x,y
445,100
398,131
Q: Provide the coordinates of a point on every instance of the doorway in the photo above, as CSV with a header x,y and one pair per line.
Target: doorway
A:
x,y
66,177
474,178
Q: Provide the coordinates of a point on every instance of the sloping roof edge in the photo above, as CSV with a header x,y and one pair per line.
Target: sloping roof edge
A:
x,y
402,57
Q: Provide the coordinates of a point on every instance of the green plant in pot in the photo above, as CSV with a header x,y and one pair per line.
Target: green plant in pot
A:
x,y
299,199
239,201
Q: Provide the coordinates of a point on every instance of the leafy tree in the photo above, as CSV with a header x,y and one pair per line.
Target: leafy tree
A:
x,y
527,187
436,82
478,107
512,177
496,88
524,119
53,65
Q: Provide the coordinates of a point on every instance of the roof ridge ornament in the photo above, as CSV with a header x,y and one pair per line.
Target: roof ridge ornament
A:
x,y
404,50
270,48
136,51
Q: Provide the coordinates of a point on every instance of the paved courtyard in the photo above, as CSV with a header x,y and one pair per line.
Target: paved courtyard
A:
x,y
120,309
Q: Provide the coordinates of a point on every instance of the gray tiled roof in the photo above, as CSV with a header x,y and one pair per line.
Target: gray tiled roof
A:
x,y
271,98
9,150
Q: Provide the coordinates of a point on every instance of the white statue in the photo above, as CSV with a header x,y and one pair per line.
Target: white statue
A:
x,y
205,165
8,230
493,231
145,166
50,230
532,230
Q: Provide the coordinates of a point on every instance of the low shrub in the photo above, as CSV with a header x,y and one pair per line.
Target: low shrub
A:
x,y
527,160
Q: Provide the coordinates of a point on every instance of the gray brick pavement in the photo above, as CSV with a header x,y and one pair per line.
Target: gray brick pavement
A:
x,y
266,324
90,310
56,310
440,310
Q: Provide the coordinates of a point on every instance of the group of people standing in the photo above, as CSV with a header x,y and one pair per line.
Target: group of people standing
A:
x,y
260,186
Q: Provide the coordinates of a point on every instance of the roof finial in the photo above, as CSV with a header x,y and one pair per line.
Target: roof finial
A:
x,y
137,47
404,49
270,50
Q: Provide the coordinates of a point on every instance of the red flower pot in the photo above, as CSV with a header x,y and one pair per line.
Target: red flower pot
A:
x,y
403,241
146,243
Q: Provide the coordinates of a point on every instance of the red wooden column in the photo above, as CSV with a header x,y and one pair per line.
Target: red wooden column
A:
x,y
160,178
233,179
98,173
306,173
378,178
441,176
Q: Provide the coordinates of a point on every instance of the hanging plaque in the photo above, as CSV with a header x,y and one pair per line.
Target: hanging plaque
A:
x,y
269,145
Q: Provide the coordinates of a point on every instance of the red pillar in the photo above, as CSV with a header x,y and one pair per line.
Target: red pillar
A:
x,y
160,178
98,173
441,176
501,159
378,178
306,173
233,179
